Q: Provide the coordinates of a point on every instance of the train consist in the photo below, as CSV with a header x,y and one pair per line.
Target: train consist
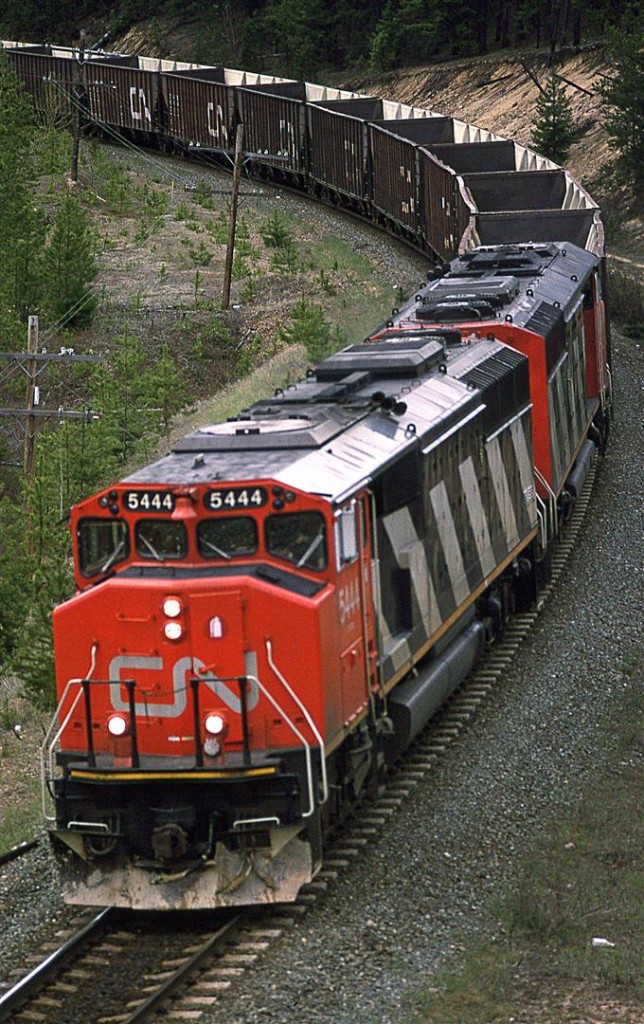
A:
x,y
269,614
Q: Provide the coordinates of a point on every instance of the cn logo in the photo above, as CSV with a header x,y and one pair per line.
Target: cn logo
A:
x,y
139,105
182,671
217,124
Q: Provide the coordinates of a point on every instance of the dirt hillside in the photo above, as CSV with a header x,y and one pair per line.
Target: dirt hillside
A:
x,y
499,93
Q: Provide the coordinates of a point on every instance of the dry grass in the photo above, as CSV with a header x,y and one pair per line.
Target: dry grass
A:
x,y
21,732
283,369
626,294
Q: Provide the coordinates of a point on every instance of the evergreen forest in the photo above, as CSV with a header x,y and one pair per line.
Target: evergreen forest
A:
x,y
299,39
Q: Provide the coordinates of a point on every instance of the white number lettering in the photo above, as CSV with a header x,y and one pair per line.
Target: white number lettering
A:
x,y
348,601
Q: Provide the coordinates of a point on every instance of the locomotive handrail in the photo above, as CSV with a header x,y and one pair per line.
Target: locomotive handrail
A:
x,y
83,684
610,388
243,681
307,715
307,746
48,744
542,518
552,501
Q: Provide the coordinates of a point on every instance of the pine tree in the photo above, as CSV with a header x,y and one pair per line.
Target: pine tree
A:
x,y
14,577
163,388
70,266
311,328
386,41
623,99
553,128
21,221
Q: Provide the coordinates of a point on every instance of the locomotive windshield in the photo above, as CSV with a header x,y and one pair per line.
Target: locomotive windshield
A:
x,y
160,538
228,537
298,537
102,543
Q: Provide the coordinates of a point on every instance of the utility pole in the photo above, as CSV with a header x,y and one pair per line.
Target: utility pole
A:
x,y
232,227
33,364
77,94
30,402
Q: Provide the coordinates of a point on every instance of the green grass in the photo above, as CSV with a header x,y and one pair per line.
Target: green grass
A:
x,y
286,367
362,298
21,823
584,878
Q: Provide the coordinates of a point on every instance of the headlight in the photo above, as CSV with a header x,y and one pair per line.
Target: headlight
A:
x,y
173,630
117,725
215,724
172,607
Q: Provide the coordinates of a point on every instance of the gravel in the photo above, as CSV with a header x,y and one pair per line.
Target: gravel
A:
x,y
31,910
407,905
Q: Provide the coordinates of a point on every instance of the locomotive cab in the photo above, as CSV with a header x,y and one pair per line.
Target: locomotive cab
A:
x,y
194,699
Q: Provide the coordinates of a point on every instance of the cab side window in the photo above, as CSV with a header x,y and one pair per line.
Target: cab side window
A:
x,y
347,538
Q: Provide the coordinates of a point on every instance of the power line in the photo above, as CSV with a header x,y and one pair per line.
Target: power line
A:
x,y
33,364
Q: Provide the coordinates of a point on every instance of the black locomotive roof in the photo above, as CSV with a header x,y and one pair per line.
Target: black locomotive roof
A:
x,y
509,282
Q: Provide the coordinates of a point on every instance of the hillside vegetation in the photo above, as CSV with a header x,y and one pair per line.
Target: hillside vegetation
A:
x,y
299,39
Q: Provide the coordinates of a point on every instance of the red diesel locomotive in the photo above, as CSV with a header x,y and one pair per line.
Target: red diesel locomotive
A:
x,y
267,615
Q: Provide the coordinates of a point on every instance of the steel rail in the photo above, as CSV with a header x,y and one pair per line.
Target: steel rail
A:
x,y
17,851
31,984
181,975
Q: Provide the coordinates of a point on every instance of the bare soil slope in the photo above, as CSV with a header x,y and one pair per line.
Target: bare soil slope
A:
x,y
499,93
